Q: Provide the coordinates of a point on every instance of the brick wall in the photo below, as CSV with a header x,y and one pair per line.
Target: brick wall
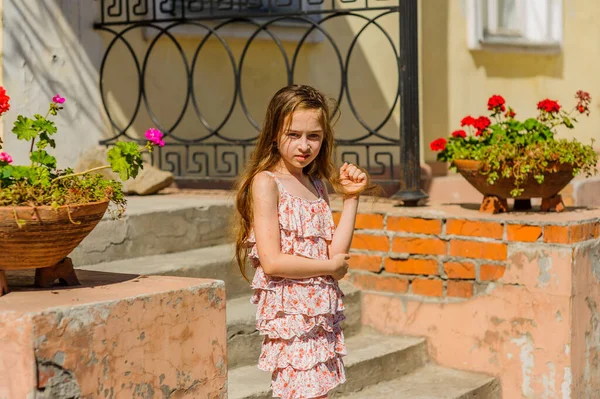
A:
x,y
445,256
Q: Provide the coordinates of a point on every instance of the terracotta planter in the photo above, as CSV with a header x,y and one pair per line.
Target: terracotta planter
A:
x,y
549,190
46,236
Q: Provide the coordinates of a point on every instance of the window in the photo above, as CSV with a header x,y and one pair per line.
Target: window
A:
x,y
529,25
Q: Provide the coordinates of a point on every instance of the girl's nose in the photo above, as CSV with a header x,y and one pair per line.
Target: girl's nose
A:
x,y
304,144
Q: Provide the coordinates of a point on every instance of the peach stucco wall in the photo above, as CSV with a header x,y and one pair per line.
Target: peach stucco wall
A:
x,y
138,337
533,323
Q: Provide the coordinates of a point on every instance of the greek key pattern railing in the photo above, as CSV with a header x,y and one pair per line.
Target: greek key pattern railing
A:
x,y
212,152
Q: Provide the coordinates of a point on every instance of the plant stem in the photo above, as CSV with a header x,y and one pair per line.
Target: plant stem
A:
x,y
82,173
33,139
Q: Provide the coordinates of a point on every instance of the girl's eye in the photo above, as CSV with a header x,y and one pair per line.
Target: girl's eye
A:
x,y
315,136
292,134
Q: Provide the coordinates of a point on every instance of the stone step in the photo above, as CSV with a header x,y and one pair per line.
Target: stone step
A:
x,y
372,358
433,382
155,225
212,262
243,341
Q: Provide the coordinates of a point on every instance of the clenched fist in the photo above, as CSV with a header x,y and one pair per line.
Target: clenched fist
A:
x,y
352,179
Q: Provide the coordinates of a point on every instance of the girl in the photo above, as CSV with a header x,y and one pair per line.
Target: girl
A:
x,y
286,229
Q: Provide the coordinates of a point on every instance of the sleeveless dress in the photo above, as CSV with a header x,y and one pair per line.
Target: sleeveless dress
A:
x,y
300,318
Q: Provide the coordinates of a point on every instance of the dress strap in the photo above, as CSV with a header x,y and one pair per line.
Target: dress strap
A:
x,y
279,184
318,184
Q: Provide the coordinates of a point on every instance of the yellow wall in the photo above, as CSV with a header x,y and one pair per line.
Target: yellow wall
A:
x,y
455,80
372,76
458,82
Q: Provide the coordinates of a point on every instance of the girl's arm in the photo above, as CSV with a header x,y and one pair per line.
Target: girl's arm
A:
x,y
266,230
342,238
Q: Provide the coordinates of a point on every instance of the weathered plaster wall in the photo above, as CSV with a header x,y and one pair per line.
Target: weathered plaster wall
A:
x,y
49,47
116,336
511,295
586,321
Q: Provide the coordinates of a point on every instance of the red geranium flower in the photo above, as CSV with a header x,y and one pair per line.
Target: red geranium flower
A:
x,y
496,103
438,144
467,121
459,133
549,106
510,113
4,101
481,123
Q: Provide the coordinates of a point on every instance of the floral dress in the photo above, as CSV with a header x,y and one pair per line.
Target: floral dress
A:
x,y
300,318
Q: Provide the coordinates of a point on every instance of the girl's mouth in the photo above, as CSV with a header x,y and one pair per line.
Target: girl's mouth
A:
x,y
302,157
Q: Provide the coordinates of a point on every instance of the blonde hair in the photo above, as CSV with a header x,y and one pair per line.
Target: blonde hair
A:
x,y
266,155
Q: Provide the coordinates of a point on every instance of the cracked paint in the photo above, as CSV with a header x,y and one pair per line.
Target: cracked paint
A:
x,y
130,339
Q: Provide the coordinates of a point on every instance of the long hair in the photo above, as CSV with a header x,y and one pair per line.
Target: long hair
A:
x,y
266,154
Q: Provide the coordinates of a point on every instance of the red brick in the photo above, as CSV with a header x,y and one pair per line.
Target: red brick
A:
x,y
557,234
460,289
411,266
336,217
380,282
520,232
414,225
371,242
369,221
423,246
427,287
583,232
491,272
465,270
474,228
371,263
477,249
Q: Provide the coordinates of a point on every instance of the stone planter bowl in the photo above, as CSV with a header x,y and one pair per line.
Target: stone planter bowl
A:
x,y
553,183
46,235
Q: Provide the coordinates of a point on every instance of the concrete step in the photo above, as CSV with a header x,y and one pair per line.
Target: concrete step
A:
x,y
243,341
372,358
158,224
212,262
433,382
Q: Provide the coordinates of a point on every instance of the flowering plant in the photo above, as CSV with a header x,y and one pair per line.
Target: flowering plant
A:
x,y
43,183
511,148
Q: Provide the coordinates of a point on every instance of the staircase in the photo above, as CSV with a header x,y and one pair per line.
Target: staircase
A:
x,y
188,236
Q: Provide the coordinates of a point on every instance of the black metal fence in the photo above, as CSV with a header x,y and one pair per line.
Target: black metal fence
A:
x,y
211,153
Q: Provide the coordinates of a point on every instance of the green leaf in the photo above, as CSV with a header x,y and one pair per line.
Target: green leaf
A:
x,y
43,158
125,159
44,125
24,128
45,141
568,122
530,124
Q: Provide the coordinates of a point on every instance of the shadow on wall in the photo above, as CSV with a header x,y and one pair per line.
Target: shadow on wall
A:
x,y
49,48
372,84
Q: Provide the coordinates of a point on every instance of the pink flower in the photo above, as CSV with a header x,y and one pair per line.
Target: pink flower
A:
x,y
58,99
4,157
155,137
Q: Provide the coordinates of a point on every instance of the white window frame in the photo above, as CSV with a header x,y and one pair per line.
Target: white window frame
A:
x,y
540,27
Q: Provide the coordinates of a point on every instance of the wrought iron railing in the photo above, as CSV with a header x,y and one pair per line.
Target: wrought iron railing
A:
x,y
211,152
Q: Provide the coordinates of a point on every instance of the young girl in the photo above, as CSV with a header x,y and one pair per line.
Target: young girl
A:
x,y
286,229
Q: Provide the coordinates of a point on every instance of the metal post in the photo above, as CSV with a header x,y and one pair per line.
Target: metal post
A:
x,y
410,167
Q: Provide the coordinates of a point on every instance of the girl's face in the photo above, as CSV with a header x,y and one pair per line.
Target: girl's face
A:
x,y
299,145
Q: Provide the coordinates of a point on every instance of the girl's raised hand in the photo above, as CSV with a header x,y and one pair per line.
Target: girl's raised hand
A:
x,y
352,179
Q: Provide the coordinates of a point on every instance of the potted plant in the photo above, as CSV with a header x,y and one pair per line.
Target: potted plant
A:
x,y
504,157
45,212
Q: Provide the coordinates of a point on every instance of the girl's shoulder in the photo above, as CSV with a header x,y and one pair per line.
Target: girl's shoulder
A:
x,y
264,183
